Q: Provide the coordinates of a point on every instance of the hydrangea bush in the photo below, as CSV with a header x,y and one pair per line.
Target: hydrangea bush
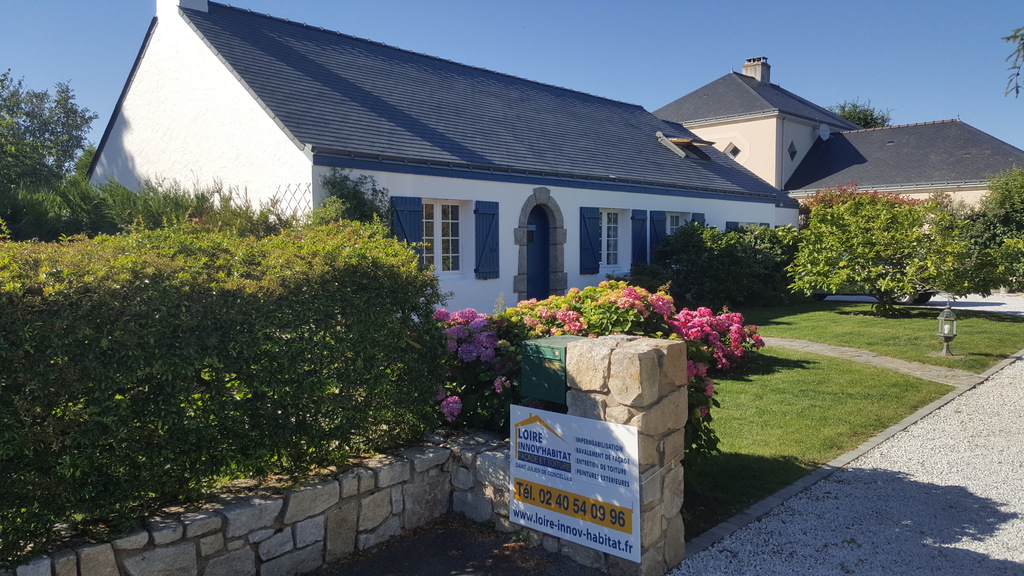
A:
x,y
483,365
484,351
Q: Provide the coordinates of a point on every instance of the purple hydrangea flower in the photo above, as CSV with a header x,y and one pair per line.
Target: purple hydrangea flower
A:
x,y
451,407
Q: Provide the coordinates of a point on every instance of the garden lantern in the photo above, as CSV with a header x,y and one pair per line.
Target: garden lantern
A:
x,y
947,330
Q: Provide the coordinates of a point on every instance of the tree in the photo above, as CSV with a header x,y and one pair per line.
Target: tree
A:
x,y
1016,60
998,221
862,115
888,246
41,134
360,198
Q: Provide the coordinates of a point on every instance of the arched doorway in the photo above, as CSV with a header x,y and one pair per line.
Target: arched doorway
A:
x,y
538,254
541,240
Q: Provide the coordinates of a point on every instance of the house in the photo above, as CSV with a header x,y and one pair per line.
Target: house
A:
x,y
515,189
763,126
916,160
799,147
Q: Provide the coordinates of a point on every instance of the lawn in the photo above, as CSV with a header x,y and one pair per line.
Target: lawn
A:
x,y
785,413
983,339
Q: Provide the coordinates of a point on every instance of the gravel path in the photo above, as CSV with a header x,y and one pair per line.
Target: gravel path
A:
x,y
945,496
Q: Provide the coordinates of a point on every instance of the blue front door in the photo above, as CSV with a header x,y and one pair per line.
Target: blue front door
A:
x,y
538,254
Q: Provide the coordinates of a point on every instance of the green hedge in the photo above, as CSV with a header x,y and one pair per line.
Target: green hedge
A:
x,y
143,368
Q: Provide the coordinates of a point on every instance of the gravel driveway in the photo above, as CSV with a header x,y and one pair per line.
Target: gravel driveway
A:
x,y
945,496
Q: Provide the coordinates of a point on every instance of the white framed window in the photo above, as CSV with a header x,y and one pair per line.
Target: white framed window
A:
x,y
613,247
673,220
442,235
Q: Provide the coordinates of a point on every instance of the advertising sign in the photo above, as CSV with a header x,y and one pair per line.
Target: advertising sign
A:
x,y
577,479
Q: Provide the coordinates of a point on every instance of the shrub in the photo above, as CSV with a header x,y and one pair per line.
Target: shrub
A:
x,y
144,368
482,376
707,267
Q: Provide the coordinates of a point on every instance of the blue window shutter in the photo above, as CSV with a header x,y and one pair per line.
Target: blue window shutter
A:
x,y
639,237
590,240
658,219
732,225
407,218
486,239
697,217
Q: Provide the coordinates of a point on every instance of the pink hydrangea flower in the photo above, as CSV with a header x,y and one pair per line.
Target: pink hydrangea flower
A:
x,y
500,383
465,316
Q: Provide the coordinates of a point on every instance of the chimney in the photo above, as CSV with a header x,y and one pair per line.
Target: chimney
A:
x,y
758,68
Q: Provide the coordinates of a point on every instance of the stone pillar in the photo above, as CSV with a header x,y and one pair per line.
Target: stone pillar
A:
x,y
640,382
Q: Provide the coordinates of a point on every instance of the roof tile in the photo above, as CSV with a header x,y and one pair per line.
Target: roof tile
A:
x,y
913,155
339,93
736,95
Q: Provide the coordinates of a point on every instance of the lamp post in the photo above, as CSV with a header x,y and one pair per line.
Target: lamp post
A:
x,y
947,330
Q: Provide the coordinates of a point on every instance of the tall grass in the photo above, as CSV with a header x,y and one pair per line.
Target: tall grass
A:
x,y
77,207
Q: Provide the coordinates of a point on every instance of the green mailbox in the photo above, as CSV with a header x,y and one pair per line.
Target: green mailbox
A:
x,y
543,375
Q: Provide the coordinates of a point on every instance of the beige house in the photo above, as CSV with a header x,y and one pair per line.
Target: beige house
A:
x,y
799,147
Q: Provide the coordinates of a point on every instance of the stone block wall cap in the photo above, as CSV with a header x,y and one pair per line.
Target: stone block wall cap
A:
x,y
426,457
133,541
165,530
311,498
252,513
619,338
227,502
37,567
201,523
436,438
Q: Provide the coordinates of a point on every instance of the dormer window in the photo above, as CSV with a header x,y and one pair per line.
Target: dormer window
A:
x,y
685,147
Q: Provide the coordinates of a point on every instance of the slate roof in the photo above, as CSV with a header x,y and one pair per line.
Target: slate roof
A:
x,y
909,156
341,95
737,95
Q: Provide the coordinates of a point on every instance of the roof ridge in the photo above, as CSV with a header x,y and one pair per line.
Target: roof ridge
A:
x,y
951,120
788,94
740,77
424,55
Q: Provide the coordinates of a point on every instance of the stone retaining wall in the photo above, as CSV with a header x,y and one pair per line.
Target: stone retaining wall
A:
x,y
618,379
316,523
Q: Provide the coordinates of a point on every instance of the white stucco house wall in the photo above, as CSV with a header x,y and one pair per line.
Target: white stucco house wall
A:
x,y
512,188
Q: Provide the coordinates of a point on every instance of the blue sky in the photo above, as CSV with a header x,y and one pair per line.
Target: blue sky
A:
x,y
924,60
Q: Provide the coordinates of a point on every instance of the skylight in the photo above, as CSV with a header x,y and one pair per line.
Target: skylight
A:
x,y
685,147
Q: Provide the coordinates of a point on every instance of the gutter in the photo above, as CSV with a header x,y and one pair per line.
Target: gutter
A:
x,y
914,186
